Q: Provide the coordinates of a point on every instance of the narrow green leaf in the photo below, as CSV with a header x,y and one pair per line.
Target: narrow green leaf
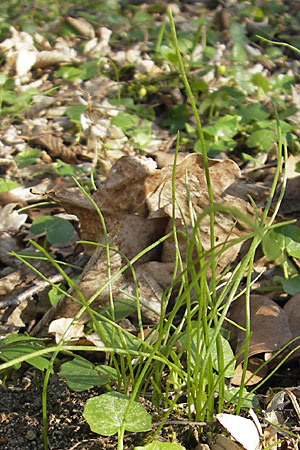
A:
x,y
81,375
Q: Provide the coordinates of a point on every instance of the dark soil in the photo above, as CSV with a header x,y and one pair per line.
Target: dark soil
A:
x,y
21,418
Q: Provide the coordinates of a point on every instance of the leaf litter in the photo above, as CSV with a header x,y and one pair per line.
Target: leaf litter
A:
x,y
132,192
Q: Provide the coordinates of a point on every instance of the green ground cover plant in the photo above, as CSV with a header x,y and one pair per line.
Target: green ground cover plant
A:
x,y
194,353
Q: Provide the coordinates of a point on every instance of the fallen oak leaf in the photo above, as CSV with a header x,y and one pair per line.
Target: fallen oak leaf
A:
x,y
138,198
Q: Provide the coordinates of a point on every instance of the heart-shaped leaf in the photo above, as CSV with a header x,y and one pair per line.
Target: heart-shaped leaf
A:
x,y
107,413
58,230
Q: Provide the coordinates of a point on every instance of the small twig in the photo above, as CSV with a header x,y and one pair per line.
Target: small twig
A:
x,y
40,286
186,422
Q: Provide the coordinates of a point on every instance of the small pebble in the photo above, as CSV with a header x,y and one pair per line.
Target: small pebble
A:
x,y
30,435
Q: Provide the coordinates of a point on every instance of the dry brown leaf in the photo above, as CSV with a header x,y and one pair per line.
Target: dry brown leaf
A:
x,y
67,328
292,308
136,200
250,379
55,147
93,277
10,282
269,326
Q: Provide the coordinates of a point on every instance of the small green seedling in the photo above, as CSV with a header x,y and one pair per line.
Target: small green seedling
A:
x,y
7,185
58,230
278,245
112,413
27,158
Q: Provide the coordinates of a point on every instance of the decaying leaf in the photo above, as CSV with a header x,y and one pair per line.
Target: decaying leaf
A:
x,y
94,276
270,330
54,145
66,328
292,308
81,25
137,199
266,318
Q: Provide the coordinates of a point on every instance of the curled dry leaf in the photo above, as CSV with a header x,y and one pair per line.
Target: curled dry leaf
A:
x,y
10,219
95,46
49,58
292,308
82,26
55,146
20,52
66,328
270,330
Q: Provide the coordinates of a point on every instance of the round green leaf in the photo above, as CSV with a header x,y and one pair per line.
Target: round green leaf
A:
x,y
292,285
273,245
292,239
263,139
58,230
106,414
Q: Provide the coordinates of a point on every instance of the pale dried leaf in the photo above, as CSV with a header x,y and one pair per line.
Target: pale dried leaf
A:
x,y
8,244
49,58
95,46
17,49
10,282
25,59
10,219
81,25
242,429
66,328
94,339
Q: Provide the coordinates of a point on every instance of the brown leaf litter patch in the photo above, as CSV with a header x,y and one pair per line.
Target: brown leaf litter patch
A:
x,y
136,203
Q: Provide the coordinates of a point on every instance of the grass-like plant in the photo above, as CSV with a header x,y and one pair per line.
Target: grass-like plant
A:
x,y
195,354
